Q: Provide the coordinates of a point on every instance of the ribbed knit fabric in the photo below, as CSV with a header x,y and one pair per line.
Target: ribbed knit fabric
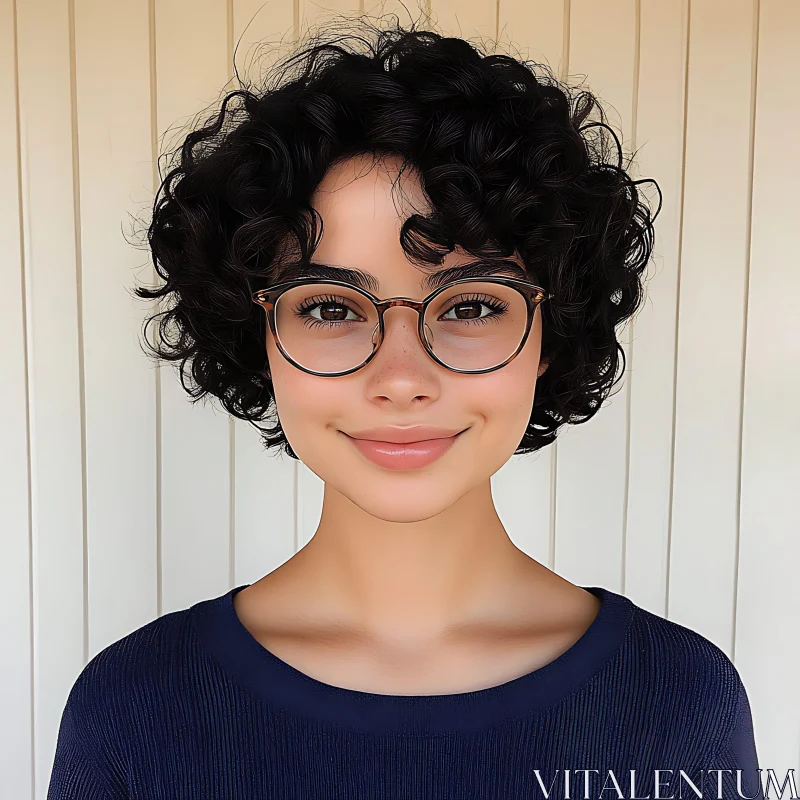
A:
x,y
192,706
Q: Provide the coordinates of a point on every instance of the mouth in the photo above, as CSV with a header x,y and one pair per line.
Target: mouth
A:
x,y
404,456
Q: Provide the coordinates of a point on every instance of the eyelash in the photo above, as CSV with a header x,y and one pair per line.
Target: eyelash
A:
x,y
497,307
312,302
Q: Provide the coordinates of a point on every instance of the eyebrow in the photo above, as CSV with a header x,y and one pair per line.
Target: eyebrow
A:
x,y
432,281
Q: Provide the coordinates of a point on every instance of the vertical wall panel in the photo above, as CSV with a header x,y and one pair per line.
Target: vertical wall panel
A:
x,y
712,298
259,32
405,10
55,369
659,137
195,438
592,472
312,12
310,489
535,28
523,488
264,507
16,596
112,110
472,20
767,645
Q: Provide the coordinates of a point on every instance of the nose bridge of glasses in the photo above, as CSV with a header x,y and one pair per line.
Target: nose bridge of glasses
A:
x,y
401,302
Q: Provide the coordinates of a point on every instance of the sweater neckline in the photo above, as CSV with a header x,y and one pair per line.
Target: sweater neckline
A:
x,y
285,687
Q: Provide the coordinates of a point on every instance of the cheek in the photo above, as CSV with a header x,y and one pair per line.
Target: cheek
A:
x,y
505,397
509,391
306,403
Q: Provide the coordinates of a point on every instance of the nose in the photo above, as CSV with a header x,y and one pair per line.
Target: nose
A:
x,y
402,371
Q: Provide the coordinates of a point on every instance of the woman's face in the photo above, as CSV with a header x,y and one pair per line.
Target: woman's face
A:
x,y
401,386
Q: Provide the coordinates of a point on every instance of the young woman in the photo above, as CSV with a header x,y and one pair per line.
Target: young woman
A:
x,y
415,257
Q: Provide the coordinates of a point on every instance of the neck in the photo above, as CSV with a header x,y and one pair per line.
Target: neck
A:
x,y
413,579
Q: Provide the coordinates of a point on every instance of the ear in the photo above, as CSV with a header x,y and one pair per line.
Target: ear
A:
x,y
543,365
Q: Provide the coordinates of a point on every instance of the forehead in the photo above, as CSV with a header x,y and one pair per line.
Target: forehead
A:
x,y
363,202
367,176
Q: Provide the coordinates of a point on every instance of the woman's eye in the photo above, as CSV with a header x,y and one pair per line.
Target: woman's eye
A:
x,y
473,312
333,312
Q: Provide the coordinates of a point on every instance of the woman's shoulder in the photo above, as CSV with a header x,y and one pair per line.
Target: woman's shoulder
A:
x,y
675,673
152,659
125,692
152,644
668,649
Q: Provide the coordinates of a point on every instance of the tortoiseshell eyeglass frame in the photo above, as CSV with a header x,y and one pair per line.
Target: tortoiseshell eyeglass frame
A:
x,y
534,295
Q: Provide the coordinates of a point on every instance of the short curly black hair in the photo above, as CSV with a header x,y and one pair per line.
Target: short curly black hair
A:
x,y
503,155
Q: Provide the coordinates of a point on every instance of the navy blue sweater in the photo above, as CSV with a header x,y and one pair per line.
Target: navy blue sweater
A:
x,y
192,706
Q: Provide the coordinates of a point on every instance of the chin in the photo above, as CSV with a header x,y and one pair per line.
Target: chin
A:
x,y
397,503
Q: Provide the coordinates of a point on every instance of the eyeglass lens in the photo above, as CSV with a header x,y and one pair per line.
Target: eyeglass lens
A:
x,y
469,326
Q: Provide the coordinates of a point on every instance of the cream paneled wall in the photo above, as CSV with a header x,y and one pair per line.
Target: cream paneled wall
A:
x,y
120,501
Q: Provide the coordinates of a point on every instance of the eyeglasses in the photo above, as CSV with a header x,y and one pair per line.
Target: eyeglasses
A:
x,y
332,328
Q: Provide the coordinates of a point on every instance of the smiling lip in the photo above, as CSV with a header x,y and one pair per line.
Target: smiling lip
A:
x,y
404,448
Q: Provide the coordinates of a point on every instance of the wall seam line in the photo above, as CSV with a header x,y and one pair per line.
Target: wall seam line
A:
x,y
745,314
682,202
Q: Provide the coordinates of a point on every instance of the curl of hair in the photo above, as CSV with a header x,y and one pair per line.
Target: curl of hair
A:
x,y
504,156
